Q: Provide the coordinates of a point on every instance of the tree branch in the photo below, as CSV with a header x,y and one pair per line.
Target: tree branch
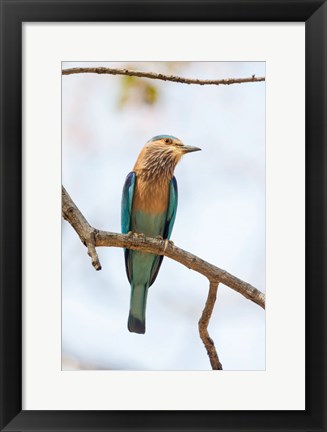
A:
x,y
160,76
203,327
84,230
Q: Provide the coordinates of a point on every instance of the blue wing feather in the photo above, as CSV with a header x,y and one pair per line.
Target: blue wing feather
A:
x,y
172,208
126,210
170,219
127,201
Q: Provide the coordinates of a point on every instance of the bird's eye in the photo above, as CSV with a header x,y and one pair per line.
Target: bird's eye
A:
x,y
167,140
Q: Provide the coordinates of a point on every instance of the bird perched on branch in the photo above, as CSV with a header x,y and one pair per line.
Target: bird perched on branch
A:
x,y
149,205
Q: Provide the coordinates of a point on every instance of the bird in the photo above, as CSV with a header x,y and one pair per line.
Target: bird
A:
x,y
149,205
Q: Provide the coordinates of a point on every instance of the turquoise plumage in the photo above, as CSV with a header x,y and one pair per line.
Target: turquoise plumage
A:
x,y
149,205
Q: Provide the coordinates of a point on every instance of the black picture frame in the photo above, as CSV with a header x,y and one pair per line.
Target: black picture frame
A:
x,y
13,14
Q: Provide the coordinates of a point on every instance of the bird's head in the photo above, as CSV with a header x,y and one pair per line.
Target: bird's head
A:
x,y
160,155
168,144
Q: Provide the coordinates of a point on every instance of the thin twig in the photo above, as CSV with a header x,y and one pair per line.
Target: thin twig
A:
x,y
203,327
160,76
94,238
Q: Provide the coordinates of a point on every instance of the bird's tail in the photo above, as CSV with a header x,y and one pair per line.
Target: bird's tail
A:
x,y
136,319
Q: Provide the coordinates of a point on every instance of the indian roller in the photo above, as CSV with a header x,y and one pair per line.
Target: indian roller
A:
x,y
149,205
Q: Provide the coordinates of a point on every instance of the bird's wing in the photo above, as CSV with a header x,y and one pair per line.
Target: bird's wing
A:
x,y
126,210
126,202
170,219
172,208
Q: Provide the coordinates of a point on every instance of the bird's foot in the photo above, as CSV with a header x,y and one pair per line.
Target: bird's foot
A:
x,y
159,237
135,234
167,243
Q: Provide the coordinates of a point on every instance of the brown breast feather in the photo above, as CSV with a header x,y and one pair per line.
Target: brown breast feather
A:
x,y
151,196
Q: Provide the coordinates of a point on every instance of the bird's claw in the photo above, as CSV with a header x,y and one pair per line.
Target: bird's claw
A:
x,y
159,237
135,234
167,243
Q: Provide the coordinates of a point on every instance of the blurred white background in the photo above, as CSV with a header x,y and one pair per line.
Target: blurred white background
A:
x,y
106,120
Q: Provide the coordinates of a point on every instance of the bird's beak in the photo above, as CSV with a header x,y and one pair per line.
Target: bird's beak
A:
x,y
189,149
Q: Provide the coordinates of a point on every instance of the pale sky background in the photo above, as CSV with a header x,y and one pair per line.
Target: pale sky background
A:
x,y
220,216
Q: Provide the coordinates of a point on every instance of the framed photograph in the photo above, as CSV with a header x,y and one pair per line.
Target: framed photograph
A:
x,y
180,149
